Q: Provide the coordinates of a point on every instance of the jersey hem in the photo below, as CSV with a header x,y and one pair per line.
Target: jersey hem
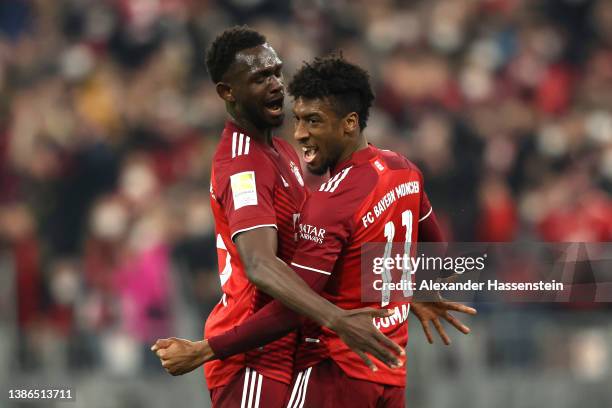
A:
x,y
426,215
251,228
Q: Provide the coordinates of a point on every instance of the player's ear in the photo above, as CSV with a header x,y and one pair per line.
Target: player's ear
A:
x,y
224,90
351,122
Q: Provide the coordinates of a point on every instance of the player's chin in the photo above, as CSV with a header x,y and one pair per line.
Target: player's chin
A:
x,y
274,119
317,169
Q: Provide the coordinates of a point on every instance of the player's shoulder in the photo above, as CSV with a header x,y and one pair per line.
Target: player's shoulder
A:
x,y
235,145
239,158
359,179
237,151
347,188
397,161
336,200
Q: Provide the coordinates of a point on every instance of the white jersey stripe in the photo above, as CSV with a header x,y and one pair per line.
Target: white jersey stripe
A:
x,y
305,387
252,389
298,396
329,182
426,215
241,144
296,387
247,145
258,395
337,183
234,145
240,141
310,269
245,387
332,181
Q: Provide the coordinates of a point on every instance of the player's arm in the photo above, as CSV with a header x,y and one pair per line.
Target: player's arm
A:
x,y
257,250
271,322
429,231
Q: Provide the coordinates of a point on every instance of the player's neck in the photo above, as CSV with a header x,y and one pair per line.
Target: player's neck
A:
x,y
261,135
360,143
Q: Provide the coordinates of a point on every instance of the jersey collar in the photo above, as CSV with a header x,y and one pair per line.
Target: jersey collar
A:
x,y
359,157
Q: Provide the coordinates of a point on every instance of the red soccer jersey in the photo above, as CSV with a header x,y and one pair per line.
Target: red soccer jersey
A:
x,y
252,185
376,196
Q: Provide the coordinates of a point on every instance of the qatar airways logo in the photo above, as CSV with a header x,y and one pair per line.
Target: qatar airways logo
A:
x,y
312,233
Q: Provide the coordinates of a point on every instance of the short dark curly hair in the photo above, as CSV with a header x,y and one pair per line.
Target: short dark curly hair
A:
x,y
333,77
224,48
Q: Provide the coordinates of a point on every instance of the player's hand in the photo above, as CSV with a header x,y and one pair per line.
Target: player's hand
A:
x,y
433,311
356,328
180,356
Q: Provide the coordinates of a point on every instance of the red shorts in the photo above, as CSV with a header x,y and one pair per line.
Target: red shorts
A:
x,y
325,385
249,389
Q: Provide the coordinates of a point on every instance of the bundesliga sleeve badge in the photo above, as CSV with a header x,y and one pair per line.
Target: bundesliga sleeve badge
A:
x,y
244,189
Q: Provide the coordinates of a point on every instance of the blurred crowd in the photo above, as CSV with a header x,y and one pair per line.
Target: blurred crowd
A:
x,y
108,122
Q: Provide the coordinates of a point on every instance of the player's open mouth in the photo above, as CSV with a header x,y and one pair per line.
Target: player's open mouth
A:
x,y
310,153
275,107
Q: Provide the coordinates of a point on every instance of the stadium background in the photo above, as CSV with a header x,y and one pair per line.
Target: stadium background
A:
x,y
107,126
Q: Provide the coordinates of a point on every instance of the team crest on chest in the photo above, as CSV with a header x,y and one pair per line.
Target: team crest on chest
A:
x,y
296,171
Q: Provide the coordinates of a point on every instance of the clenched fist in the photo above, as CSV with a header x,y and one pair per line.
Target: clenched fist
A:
x,y
181,356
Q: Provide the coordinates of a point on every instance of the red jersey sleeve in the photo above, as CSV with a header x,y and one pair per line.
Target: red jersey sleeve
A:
x,y
269,323
426,208
247,194
324,227
429,230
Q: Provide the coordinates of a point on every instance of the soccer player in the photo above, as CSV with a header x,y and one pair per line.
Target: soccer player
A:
x,y
332,100
256,195
371,196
